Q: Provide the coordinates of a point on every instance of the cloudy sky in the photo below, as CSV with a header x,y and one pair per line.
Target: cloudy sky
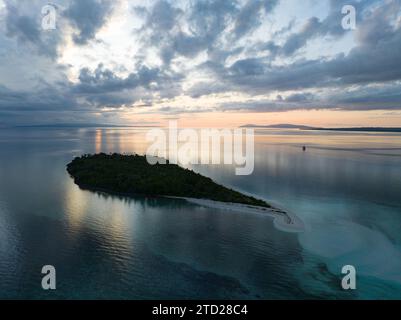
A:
x,y
204,62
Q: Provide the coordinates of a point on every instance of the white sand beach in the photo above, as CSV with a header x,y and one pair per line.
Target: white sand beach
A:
x,y
283,221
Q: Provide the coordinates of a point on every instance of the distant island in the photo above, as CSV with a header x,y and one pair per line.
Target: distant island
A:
x,y
133,175
277,126
360,129
301,127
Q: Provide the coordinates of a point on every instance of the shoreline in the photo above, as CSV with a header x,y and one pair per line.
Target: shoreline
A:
x,y
282,220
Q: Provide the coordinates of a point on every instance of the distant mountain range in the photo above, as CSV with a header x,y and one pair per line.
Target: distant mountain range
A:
x,y
277,126
300,127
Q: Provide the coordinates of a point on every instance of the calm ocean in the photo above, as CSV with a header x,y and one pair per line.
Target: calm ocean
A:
x,y
346,187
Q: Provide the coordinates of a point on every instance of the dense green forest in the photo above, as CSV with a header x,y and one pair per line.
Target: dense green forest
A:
x,y
132,174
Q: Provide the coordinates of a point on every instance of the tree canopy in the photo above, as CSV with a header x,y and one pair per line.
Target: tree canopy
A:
x,y
132,174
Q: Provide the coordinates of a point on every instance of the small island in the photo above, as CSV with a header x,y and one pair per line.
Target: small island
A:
x,y
133,175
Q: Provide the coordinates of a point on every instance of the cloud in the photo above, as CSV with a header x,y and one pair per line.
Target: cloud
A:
x,y
44,100
298,40
375,59
249,17
88,16
318,28
175,32
21,25
102,87
299,97
104,80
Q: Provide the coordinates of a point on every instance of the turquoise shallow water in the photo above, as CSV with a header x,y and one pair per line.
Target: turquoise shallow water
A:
x,y
346,188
